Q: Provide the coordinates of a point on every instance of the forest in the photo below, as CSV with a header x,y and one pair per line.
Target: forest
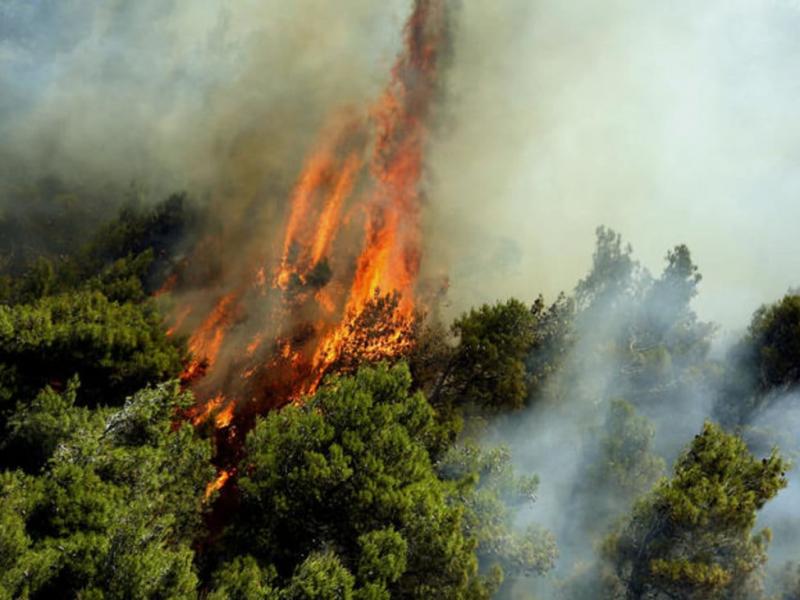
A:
x,y
299,300
391,481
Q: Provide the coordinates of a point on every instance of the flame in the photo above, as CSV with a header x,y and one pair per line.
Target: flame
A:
x,y
217,484
224,417
206,342
179,319
200,413
342,289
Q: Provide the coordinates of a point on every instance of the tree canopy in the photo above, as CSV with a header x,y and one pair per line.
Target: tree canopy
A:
x,y
692,536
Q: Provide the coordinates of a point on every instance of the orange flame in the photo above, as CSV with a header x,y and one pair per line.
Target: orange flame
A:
x,y
217,484
323,309
206,342
224,417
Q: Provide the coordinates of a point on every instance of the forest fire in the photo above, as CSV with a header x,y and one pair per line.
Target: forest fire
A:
x,y
341,289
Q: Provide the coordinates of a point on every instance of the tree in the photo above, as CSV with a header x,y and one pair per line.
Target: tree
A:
x,y
321,576
638,336
37,428
554,338
624,468
613,277
487,369
494,496
349,473
243,579
157,231
114,348
126,258
764,364
116,511
667,319
775,338
692,536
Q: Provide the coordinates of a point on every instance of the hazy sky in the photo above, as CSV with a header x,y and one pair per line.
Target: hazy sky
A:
x,y
670,122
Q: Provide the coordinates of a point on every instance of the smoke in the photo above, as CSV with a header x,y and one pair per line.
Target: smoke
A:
x,y
670,123
172,94
777,426
615,413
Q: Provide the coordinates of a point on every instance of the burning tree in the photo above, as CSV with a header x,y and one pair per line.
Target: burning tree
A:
x,y
337,286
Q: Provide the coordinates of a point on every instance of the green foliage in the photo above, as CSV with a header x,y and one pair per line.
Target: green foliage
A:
x,y
321,576
155,232
48,220
243,579
114,348
765,363
624,467
613,277
554,339
24,568
488,369
35,430
116,510
350,471
667,320
126,259
497,359
691,537
635,336
361,493
493,496
383,558
123,280
628,461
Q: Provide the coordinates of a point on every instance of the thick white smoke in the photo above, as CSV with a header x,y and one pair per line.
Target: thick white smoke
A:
x,y
670,122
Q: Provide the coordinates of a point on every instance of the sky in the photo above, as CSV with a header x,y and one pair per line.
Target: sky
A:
x,y
669,122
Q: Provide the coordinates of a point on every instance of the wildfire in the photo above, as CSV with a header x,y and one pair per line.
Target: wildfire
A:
x,y
217,484
342,288
206,342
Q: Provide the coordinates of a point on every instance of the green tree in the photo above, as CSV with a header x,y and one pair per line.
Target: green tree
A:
x,y
554,338
625,467
114,348
487,369
613,277
115,513
243,579
666,320
494,497
36,429
636,336
127,258
775,332
350,473
156,232
764,364
321,576
692,536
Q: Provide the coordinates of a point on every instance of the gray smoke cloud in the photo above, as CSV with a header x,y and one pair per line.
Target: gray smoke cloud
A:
x,y
778,426
187,95
670,122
